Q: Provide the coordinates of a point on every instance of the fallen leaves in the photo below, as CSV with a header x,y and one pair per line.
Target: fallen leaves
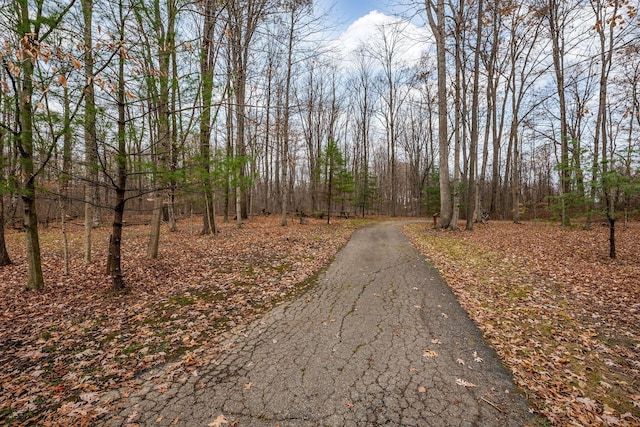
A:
x,y
560,313
70,351
463,383
218,422
430,354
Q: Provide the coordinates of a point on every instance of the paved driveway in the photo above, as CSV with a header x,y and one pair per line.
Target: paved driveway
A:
x,y
380,340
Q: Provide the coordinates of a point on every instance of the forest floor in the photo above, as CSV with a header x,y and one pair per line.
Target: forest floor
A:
x,y
62,350
563,316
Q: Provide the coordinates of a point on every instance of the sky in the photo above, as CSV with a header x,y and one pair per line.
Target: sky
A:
x,y
351,10
352,23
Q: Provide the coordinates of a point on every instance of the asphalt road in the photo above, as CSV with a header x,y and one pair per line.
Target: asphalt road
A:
x,y
380,340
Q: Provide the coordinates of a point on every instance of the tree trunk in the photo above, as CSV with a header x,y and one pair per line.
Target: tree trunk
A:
x,y
472,199
65,178
173,155
91,167
437,24
156,222
240,148
166,41
612,237
4,254
35,279
556,25
459,114
207,64
114,261
285,130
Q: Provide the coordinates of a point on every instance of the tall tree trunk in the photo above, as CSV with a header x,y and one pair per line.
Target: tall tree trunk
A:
x,y
65,179
207,65
228,152
287,107
89,124
472,199
556,25
459,114
267,138
241,149
515,174
166,42
115,245
437,24
605,28
173,154
35,279
4,254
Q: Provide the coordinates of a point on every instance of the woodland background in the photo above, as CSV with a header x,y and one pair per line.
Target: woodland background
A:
x,y
112,109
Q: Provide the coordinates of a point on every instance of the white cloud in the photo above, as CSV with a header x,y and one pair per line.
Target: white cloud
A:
x,y
368,31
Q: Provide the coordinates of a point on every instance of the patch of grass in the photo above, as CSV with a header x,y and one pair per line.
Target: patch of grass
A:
x,y
212,296
162,347
175,354
250,271
282,268
129,350
358,222
221,323
181,300
49,349
160,318
75,397
46,335
110,337
518,293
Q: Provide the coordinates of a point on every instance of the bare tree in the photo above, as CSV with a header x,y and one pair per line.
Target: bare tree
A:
x,y
436,17
163,22
114,262
472,199
208,56
608,15
557,15
386,49
295,8
363,85
244,17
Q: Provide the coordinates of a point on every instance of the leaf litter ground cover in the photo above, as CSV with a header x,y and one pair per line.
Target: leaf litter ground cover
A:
x,y
65,350
563,316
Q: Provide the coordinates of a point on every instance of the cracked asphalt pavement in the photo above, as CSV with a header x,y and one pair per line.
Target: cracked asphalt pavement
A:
x,y
379,340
